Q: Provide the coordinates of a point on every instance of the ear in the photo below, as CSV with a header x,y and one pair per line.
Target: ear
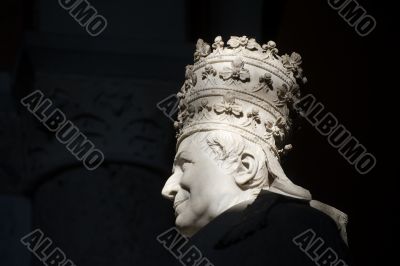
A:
x,y
247,169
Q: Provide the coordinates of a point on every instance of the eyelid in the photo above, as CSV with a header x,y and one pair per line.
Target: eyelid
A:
x,y
184,160
181,158
185,165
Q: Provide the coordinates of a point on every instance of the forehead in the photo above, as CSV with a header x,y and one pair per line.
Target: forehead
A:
x,y
187,145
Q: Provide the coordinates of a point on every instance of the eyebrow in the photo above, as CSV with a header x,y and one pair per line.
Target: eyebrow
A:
x,y
179,155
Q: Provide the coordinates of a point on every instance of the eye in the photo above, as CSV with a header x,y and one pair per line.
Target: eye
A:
x,y
185,164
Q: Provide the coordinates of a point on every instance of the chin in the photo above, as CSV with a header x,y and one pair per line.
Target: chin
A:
x,y
187,231
185,228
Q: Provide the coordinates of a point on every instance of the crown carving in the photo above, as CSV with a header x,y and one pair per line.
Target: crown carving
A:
x,y
242,87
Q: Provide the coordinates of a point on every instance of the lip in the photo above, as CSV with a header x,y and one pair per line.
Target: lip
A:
x,y
179,202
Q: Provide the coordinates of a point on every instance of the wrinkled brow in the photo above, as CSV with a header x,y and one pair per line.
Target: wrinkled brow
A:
x,y
181,155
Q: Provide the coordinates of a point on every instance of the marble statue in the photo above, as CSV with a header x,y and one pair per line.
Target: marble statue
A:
x,y
227,183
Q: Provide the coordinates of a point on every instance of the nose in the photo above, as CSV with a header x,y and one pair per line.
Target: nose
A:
x,y
171,187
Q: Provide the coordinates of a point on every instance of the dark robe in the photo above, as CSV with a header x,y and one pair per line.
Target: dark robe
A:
x,y
274,230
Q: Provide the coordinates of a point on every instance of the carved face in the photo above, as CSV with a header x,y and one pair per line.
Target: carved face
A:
x,y
200,188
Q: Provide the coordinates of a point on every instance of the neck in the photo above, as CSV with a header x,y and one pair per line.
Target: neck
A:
x,y
240,202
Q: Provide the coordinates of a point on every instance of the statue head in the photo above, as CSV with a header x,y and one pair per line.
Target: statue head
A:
x,y
212,172
231,131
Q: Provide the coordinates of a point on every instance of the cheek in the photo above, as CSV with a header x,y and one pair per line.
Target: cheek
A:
x,y
206,185
211,174
198,184
205,182
191,178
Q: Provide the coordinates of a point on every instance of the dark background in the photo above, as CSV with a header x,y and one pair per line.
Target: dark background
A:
x,y
109,87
